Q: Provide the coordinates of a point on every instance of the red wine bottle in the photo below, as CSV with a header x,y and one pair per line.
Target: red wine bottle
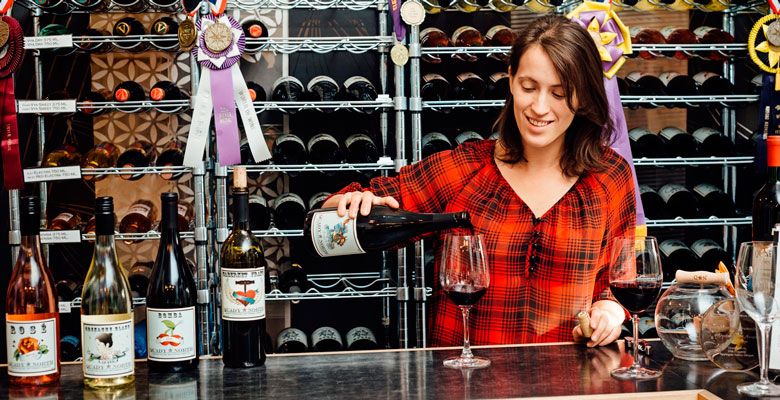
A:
x,y
711,254
434,142
361,149
256,92
653,204
713,201
678,142
434,88
259,213
675,255
287,88
766,208
468,136
289,149
324,149
140,154
712,143
498,86
322,88
679,200
168,28
289,211
712,84
678,84
643,84
317,199
127,27
358,88
469,86
292,278
645,143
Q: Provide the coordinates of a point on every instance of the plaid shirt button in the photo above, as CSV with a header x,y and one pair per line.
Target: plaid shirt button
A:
x,y
534,260
537,246
537,234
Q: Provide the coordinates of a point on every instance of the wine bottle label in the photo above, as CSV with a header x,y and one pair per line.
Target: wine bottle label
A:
x,y
433,77
430,137
646,324
358,137
635,76
65,217
287,79
667,77
669,190
668,247
243,294
427,31
31,344
702,30
460,31
255,199
318,198
497,76
645,189
667,31
182,210
702,246
170,334
139,208
288,197
703,76
702,134
289,137
291,335
671,131
703,189
107,345
492,31
320,79
332,235
325,333
467,136
320,138
467,75
637,133
359,333
634,30
174,391
355,79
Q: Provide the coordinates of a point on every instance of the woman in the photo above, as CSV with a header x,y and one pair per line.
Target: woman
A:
x,y
548,197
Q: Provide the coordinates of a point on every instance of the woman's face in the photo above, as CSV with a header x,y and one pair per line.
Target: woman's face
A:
x,y
541,112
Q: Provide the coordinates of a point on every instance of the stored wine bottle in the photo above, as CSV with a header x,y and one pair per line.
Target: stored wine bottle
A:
x,y
711,254
93,41
125,28
317,199
712,84
32,319
434,142
645,143
652,203
498,86
646,327
106,310
259,213
254,29
140,154
675,255
292,278
713,5
171,156
323,88
289,211
56,7
132,6
57,30
289,149
65,221
468,136
678,35
139,276
469,86
433,37
70,348
434,88
766,208
642,84
361,338
678,84
292,340
714,201
467,36
710,35
543,6
171,320
383,228
326,338
88,101
167,29
358,88
641,35
256,92
679,200
139,218
505,5
435,6
184,216
242,281
62,157
324,149
712,143
361,149
167,90
129,91
68,289
678,142
469,5
287,88
500,36
104,155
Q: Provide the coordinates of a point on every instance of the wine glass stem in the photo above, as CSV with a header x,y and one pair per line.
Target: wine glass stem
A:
x,y
635,322
765,332
466,346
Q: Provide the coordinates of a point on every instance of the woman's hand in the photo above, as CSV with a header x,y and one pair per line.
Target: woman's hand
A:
x,y
359,202
606,320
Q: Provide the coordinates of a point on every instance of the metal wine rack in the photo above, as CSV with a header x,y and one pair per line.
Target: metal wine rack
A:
x,y
656,101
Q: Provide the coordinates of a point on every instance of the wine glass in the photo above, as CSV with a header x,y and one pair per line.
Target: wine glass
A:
x,y
635,280
756,274
465,278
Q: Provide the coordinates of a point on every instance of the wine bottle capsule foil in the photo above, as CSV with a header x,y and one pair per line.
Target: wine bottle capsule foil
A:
x,y
728,337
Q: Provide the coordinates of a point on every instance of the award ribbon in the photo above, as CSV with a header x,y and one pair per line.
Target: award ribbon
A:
x,y
613,41
11,56
395,12
222,89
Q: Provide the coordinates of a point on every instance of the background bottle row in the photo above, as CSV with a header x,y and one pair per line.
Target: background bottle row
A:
x,y
675,142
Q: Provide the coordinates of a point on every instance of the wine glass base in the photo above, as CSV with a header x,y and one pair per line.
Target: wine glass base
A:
x,y
463,362
758,389
636,374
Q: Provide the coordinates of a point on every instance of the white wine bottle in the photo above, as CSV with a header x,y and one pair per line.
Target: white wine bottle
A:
x,y
106,310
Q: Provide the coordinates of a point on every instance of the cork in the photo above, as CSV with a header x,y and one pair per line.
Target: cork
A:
x,y
702,277
239,177
584,318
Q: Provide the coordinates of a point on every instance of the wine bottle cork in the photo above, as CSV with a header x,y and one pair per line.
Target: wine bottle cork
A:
x,y
702,277
584,318
239,177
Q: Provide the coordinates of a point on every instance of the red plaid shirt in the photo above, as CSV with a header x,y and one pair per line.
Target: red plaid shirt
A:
x,y
543,271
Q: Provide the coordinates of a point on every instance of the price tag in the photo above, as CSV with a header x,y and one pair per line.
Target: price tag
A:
x,y
48,42
52,174
45,106
64,307
63,236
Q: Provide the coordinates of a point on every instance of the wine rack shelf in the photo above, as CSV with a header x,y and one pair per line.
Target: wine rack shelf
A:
x,y
132,171
384,164
691,49
724,100
76,303
165,106
693,161
278,233
383,102
712,221
340,286
151,235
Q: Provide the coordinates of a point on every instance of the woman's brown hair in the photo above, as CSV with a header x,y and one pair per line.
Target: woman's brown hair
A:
x,y
577,62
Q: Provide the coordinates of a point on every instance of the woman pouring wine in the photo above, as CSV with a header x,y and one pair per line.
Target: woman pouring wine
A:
x,y
548,197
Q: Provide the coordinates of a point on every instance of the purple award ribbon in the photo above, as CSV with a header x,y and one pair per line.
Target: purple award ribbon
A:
x,y
225,122
398,26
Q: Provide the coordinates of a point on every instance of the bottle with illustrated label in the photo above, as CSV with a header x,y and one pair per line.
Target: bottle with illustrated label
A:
x,y
65,221
289,149
678,84
645,143
361,338
712,143
675,255
106,310
104,155
287,88
433,37
679,200
289,211
382,229
467,36
171,319
711,254
242,280
468,136
434,142
292,340
469,86
171,156
167,28
714,201
766,205
361,149
129,27
678,142
434,88
322,88
32,322
653,204
140,154
326,339
712,84
358,88
323,148
139,218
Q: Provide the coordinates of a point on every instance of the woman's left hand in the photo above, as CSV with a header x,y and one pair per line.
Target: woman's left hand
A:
x,y
606,320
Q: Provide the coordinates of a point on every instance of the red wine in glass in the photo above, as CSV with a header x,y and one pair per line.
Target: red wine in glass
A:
x,y
465,295
636,295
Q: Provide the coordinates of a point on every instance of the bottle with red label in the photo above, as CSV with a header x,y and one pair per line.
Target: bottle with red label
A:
x,y
256,92
32,318
129,91
254,29
167,90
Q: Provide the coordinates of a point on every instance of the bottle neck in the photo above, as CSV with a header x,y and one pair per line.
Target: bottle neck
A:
x,y
240,210
105,250
773,173
452,220
30,244
169,226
